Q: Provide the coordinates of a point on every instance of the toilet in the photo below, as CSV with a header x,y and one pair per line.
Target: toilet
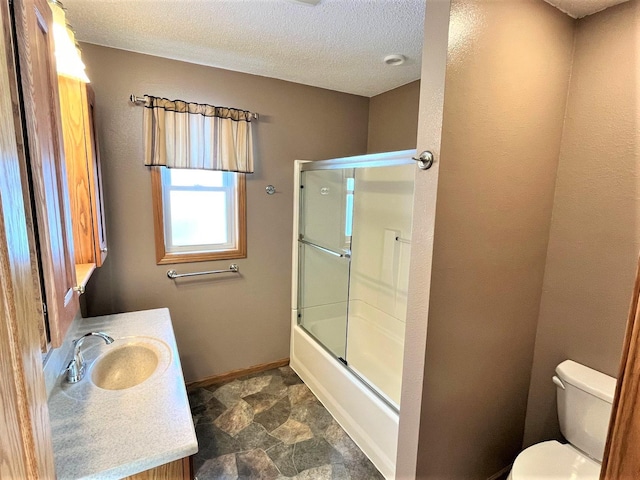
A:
x,y
584,404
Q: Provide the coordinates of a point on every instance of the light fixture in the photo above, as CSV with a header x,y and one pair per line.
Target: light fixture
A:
x,y
394,59
68,61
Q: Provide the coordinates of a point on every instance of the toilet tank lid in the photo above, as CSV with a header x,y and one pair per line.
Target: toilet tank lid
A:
x,y
586,379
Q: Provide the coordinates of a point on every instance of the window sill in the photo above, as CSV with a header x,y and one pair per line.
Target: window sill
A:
x,y
171,258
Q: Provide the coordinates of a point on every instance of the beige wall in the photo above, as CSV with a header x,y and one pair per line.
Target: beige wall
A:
x,y
393,119
432,82
595,231
434,60
506,86
223,322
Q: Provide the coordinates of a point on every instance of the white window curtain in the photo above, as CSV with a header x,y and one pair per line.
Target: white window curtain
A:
x,y
188,135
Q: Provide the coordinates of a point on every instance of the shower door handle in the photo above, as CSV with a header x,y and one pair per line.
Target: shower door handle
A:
x,y
325,250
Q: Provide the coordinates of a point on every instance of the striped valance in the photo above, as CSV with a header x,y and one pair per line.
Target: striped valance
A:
x,y
189,135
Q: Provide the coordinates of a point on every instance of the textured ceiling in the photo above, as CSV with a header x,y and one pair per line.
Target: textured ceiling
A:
x,y
337,44
582,8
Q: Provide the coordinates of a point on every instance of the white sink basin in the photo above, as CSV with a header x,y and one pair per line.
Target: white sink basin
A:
x,y
124,367
126,363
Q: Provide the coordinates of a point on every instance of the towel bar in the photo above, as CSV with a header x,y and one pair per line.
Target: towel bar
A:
x,y
172,274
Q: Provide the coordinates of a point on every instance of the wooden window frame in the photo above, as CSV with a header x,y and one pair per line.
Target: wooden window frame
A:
x,y
165,258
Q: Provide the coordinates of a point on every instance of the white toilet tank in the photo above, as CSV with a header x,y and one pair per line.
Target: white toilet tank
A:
x,y
584,406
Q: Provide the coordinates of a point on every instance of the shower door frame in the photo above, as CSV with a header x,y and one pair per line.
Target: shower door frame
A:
x,y
368,418
392,159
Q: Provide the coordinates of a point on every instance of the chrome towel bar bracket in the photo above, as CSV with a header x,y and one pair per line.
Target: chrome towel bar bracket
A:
x,y
425,160
172,274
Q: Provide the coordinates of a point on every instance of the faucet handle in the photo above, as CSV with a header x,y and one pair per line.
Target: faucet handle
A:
x,y
75,370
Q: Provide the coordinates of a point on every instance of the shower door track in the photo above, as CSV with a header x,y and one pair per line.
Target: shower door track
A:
x,y
403,157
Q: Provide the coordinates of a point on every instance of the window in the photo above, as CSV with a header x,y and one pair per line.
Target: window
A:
x,y
348,218
199,215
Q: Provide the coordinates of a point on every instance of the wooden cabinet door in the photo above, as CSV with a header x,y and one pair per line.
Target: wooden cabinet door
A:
x,y
72,112
77,104
48,176
25,434
177,470
95,173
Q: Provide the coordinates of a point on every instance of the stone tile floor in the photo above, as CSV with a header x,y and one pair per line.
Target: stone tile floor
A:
x,y
269,426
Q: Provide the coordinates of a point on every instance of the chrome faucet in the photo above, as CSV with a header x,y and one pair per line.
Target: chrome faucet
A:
x,y
76,368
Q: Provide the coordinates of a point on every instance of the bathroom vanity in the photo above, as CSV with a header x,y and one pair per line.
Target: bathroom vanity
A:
x,y
129,413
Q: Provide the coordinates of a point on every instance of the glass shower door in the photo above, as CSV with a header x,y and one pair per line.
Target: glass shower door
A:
x,y
354,250
324,246
379,276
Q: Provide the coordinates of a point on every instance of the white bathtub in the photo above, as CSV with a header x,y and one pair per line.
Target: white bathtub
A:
x,y
371,341
371,422
327,323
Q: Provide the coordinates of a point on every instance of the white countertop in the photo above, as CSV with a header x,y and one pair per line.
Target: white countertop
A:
x,y
105,434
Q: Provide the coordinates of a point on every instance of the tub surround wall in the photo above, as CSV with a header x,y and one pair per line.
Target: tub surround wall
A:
x,y
375,349
393,119
595,230
379,274
383,203
210,315
506,87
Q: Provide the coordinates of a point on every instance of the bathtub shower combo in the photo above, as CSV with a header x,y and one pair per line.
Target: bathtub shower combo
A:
x,y
352,241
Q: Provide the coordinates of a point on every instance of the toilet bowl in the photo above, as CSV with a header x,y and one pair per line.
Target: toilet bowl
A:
x,y
584,404
553,460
